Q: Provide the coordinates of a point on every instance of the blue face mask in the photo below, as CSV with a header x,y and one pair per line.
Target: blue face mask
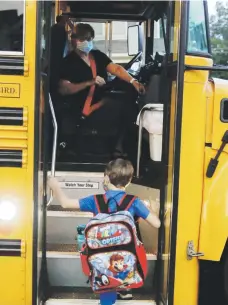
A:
x,y
85,46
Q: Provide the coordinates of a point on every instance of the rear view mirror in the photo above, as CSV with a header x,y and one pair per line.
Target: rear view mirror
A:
x,y
133,40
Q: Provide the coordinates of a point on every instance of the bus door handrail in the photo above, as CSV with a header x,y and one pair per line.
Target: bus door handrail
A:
x,y
139,150
54,147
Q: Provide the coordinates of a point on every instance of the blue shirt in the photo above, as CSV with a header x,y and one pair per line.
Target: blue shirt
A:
x,y
137,208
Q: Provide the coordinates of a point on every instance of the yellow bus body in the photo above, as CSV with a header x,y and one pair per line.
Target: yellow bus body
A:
x,y
202,202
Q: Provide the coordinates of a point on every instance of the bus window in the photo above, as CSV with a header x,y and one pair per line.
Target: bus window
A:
x,y
197,35
159,45
111,39
99,39
119,53
12,27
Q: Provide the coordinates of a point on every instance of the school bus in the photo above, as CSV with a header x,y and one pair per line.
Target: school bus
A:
x,y
188,256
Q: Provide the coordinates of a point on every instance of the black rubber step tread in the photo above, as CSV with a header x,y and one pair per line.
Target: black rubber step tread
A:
x,y
62,247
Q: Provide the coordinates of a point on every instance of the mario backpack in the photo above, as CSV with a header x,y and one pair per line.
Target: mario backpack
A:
x,y
113,257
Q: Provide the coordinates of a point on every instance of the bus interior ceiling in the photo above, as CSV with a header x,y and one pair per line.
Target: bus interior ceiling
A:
x,y
93,143
63,259
118,10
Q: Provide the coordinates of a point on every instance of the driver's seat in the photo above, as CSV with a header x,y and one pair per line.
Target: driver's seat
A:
x,y
96,134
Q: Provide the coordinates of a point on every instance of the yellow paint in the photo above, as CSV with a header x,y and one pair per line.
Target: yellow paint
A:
x,y
193,134
12,284
169,195
177,15
16,184
15,137
214,223
209,110
9,90
168,204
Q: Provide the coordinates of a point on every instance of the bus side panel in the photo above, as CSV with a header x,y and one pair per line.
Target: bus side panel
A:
x,y
190,180
12,237
32,190
17,177
12,283
214,223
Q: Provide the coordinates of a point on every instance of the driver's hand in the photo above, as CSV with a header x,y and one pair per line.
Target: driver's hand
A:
x,y
99,81
139,87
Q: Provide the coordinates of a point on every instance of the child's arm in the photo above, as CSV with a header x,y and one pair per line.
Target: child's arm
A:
x,y
148,212
64,200
153,220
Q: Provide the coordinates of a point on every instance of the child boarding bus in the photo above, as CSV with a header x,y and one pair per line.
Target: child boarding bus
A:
x,y
176,136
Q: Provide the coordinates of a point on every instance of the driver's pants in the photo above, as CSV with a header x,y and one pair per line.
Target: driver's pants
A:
x,y
109,120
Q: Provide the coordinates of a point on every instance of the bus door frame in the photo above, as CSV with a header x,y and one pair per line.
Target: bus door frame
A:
x,y
171,148
40,275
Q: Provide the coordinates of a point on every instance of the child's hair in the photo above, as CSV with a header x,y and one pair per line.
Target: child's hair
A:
x,y
120,172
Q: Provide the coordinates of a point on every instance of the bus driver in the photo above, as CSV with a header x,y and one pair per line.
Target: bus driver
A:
x,y
84,72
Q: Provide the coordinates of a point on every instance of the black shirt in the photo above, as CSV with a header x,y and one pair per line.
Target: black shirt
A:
x,y
75,70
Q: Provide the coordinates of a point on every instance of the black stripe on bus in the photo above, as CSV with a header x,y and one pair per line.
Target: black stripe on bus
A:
x,y
10,247
11,116
12,65
10,158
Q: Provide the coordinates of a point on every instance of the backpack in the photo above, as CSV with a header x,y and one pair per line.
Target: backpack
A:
x,y
113,257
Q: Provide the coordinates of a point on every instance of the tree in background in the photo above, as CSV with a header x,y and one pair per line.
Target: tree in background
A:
x,y
219,36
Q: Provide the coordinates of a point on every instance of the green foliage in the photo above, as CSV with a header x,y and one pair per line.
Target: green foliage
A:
x,y
219,37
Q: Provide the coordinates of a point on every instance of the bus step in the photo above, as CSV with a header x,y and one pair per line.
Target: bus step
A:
x,y
62,227
86,293
64,266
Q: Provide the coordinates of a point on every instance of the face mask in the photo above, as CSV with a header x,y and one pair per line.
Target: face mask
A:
x,y
85,46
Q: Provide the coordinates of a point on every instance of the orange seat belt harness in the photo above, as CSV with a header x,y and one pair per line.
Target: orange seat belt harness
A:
x,y
88,108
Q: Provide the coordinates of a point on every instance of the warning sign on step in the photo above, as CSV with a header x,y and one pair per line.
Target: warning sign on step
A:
x,y
79,185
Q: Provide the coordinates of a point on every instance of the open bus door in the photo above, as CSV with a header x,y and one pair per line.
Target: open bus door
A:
x,y
161,270
63,263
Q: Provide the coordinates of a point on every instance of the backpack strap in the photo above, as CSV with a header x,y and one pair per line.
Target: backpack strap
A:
x,y
123,205
88,108
126,202
101,204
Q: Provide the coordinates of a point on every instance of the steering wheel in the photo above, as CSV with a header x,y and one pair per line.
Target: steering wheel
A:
x,y
133,60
